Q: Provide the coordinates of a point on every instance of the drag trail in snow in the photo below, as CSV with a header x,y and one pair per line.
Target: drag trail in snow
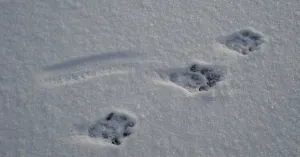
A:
x,y
86,68
89,59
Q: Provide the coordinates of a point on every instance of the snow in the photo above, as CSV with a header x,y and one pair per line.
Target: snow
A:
x,y
66,64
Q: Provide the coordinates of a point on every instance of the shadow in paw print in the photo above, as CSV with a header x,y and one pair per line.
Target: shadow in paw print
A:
x,y
243,41
211,76
197,77
113,128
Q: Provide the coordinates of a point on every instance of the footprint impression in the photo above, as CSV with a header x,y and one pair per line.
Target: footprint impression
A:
x,y
114,128
197,77
244,41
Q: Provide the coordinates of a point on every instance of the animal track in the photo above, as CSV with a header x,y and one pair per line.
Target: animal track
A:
x,y
196,77
81,61
67,78
85,68
244,41
63,77
114,128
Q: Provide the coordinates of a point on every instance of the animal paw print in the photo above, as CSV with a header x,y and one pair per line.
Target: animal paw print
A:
x,y
197,77
114,128
245,41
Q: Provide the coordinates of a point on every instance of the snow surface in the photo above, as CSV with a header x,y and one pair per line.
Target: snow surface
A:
x,y
67,63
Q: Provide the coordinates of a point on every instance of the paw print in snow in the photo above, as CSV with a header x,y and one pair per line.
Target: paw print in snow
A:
x,y
197,77
114,128
244,41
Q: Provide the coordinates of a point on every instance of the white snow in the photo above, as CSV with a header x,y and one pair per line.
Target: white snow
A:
x,y
67,63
